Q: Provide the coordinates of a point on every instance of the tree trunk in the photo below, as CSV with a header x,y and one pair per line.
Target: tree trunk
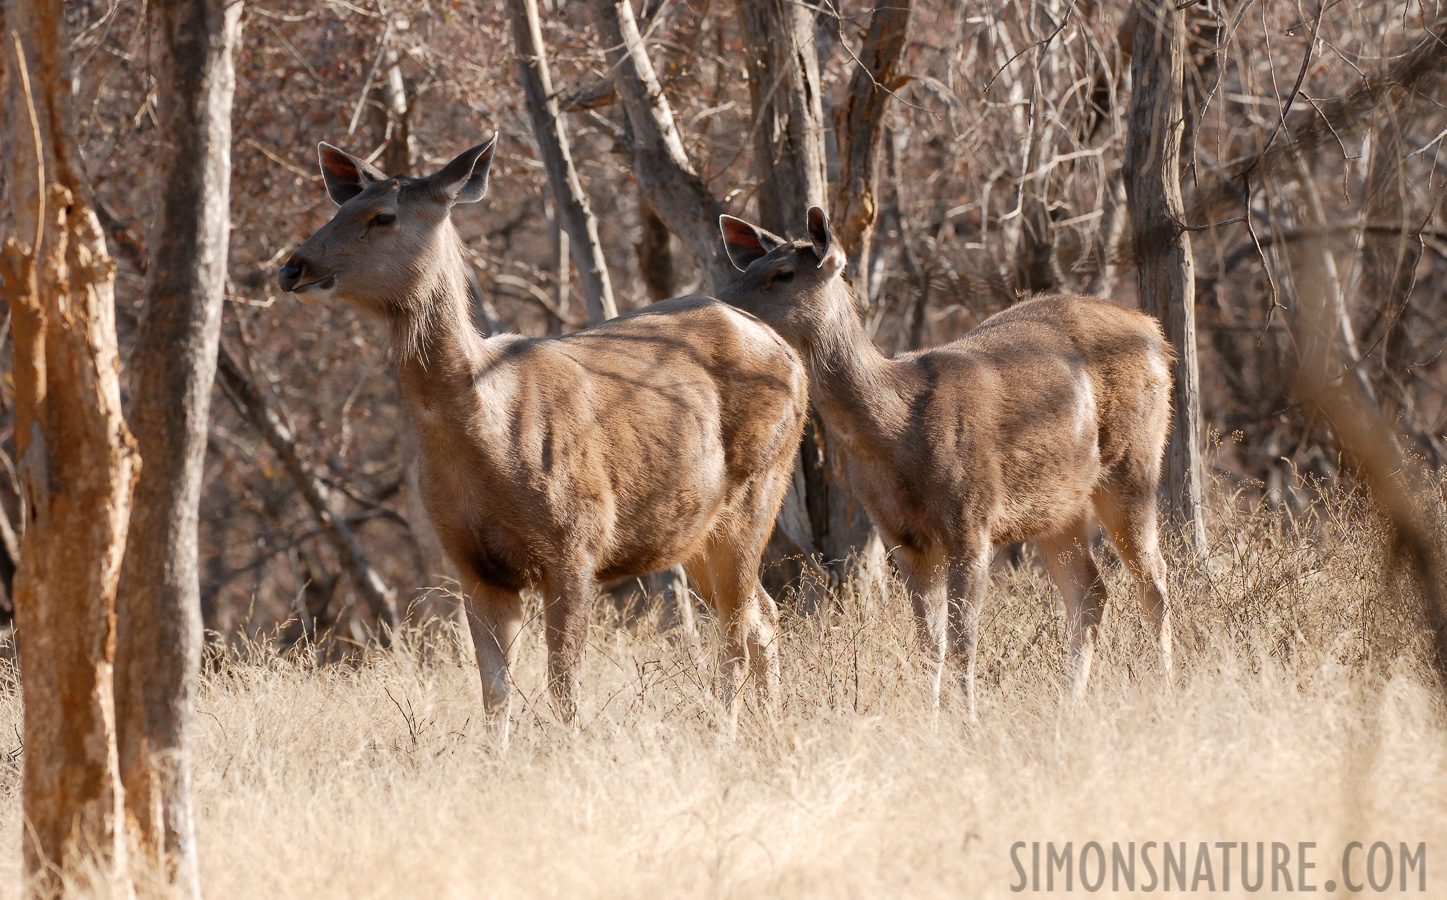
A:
x,y
789,163
1035,271
660,165
788,111
656,265
1163,249
398,147
574,215
859,123
77,469
159,632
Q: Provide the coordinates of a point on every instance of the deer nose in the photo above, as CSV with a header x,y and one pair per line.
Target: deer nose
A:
x,y
289,276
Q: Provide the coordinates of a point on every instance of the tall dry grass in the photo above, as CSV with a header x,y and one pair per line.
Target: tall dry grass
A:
x,y
1302,713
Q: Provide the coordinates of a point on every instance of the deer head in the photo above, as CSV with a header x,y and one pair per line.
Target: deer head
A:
x,y
391,243
791,285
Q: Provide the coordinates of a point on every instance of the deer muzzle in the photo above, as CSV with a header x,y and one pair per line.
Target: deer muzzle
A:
x,y
295,278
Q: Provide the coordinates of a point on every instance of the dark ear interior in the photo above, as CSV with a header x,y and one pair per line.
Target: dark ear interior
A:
x,y
820,234
345,175
746,243
464,180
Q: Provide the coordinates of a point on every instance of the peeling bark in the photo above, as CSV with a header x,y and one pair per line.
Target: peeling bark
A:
x,y
77,465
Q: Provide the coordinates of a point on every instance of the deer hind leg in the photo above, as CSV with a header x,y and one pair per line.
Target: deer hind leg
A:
x,y
1129,514
1073,569
764,502
569,598
764,649
495,618
969,576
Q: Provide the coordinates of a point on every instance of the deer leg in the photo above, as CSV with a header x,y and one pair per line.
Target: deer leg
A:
x,y
1067,556
723,584
763,647
925,587
570,598
1130,518
764,500
495,618
969,576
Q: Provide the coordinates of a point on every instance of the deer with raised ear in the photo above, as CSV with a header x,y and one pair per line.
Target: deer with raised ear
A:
x,y
1048,409
661,437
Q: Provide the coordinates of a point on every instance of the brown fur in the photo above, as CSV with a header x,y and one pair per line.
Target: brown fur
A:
x,y
1015,431
660,437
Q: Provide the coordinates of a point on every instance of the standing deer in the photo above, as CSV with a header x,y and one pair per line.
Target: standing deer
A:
x,y
660,437
1014,431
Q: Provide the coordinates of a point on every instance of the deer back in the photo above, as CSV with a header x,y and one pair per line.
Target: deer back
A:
x,y
626,442
1009,430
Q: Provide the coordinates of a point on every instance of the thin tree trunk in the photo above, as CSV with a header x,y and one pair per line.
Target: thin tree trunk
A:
x,y
660,165
859,124
1163,249
1370,443
398,150
159,631
574,215
366,581
787,109
1035,249
77,466
656,265
1105,243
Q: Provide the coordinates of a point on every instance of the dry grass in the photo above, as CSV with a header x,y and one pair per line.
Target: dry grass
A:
x,y
1288,724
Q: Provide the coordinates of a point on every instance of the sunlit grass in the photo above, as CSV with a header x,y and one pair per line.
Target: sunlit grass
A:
x,y
1301,713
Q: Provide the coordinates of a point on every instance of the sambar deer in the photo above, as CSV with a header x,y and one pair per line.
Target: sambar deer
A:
x,y
1015,431
660,437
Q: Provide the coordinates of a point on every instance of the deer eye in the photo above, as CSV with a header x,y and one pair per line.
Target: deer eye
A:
x,y
383,219
783,275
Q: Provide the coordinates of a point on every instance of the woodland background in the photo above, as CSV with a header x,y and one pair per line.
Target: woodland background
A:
x,y
1001,173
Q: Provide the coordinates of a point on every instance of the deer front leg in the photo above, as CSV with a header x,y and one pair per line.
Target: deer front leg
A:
x,y
569,599
923,583
495,618
969,577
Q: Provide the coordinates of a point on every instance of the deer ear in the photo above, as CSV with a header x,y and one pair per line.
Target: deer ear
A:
x,y
746,243
464,180
345,175
820,234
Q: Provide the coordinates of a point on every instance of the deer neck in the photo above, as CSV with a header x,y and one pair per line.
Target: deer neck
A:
x,y
851,383
437,349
